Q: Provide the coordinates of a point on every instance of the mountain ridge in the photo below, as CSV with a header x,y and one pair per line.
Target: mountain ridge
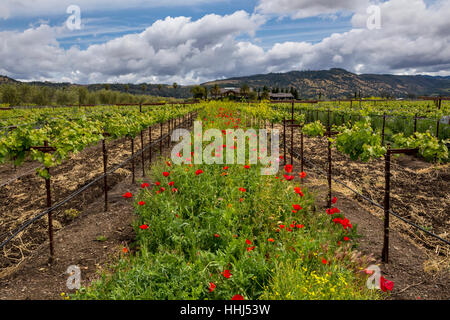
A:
x,y
332,83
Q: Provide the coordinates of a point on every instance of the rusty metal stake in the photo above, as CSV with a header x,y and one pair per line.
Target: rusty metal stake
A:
x,y
160,138
415,123
142,155
301,152
387,189
105,178
284,140
132,161
150,143
50,214
382,130
329,166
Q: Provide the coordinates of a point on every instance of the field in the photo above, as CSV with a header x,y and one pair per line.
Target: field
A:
x,y
223,231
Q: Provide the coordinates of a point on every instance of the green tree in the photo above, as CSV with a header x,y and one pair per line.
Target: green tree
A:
x,y
82,95
215,91
245,90
10,95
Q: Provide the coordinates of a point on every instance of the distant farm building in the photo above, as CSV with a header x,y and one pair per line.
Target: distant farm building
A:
x,y
281,96
232,92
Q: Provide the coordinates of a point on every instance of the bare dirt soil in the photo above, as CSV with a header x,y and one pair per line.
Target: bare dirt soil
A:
x,y
419,265
25,197
92,241
419,190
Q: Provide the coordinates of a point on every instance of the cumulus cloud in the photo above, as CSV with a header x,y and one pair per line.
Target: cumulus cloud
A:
x,y
309,8
34,8
413,39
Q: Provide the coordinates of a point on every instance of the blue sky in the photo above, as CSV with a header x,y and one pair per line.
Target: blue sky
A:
x,y
120,42
102,25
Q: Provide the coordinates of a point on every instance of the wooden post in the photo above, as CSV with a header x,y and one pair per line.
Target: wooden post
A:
x,y
387,189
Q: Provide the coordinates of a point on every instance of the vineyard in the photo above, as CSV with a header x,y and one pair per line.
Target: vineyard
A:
x,y
223,231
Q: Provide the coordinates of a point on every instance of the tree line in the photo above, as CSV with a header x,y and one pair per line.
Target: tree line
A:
x,y
28,95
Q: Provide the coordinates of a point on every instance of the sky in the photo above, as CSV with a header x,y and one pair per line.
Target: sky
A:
x,y
190,42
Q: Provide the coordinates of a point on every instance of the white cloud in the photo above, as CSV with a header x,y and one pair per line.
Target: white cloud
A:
x,y
309,8
413,39
36,8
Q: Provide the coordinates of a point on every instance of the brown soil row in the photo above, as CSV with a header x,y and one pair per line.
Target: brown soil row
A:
x,y
419,190
23,198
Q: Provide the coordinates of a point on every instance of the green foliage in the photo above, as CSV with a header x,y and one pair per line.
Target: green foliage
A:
x,y
203,228
314,129
429,146
360,142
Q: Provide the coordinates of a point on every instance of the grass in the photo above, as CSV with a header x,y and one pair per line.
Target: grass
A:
x,y
208,228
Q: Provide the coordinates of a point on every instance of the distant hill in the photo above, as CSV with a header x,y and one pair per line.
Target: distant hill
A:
x,y
5,79
339,83
333,83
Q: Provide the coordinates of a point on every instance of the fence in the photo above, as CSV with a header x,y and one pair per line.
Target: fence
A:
x,y
172,125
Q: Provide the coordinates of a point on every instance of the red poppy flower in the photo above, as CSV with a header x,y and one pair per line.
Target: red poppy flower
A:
x,y
174,190
216,235
334,200
288,168
247,166
386,284
248,242
292,225
158,184
124,250
166,174
212,286
145,185
171,183
141,203
144,227
281,157
300,226
237,297
250,248
225,168
298,191
294,211
242,190
297,207
271,240
282,226
288,177
162,189
346,238
324,261
168,163
227,274
198,172
128,195
241,199
302,174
